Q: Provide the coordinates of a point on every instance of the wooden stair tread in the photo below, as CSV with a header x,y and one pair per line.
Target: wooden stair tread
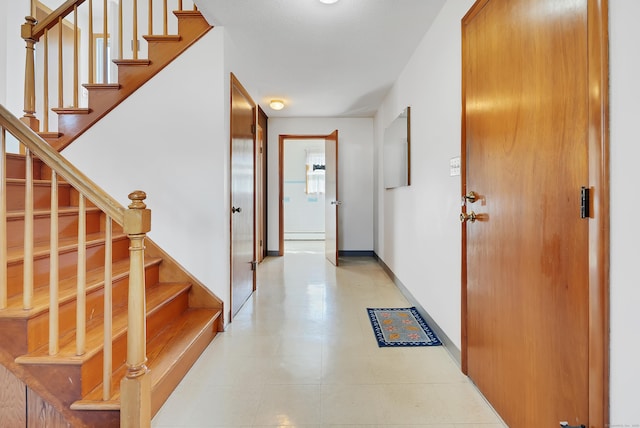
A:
x,y
163,352
62,211
67,290
36,182
156,297
50,134
71,110
41,249
163,38
99,86
187,13
133,62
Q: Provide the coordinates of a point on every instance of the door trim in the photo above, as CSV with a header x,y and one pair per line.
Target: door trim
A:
x,y
598,152
281,140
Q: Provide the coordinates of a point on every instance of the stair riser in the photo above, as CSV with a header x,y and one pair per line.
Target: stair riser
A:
x,y
190,26
41,196
92,369
67,227
38,327
68,263
16,167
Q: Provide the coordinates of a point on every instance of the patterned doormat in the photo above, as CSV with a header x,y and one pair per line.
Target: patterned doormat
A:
x,y
401,327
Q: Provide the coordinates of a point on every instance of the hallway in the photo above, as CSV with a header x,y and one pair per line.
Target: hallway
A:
x,y
301,352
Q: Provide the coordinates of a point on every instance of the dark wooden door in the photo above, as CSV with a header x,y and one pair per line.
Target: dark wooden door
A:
x,y
332,201
242,196
261,193
526,257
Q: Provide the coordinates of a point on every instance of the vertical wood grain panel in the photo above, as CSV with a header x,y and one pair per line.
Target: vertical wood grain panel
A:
x,y
13,400
41,414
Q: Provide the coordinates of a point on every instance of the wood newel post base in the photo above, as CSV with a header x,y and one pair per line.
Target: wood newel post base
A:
x,y
135,388
135,402
29,118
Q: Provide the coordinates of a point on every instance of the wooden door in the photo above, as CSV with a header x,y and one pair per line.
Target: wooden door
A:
x,y
526,258
242,196
332,201
261,163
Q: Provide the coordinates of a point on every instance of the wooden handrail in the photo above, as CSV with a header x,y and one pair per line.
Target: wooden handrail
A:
x,y
52,20
70,173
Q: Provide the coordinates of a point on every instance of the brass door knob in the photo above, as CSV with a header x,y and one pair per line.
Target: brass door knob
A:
x,y
468,217
471,196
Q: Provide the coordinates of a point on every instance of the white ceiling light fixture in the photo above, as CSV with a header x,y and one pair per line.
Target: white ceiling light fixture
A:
x,y
328,1
276,104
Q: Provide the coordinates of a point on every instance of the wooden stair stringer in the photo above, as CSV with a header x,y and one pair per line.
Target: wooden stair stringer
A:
x,y
131,76
200,296
73,418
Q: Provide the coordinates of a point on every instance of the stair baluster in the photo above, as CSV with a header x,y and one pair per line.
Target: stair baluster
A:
x,y
135,29
105,42
27,289
81,297
53,270
107,363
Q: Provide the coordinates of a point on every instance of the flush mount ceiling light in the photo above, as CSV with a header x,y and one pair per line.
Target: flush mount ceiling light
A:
x,y
276,104
328,1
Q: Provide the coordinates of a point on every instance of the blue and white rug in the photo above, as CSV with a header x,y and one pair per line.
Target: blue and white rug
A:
x,y
401,327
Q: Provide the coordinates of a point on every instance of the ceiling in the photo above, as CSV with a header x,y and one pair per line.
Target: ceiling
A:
x,y
335,60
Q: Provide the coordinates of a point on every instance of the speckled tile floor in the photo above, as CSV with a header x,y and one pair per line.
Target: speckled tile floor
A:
x,y
301,353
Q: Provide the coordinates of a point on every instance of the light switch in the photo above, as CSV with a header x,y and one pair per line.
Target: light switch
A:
x,y
454,166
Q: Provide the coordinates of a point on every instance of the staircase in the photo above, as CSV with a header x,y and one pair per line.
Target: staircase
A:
x,y
182,317
74,366
73,120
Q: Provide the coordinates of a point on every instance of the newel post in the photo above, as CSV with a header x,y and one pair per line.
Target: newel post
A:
x,y
135,389
26,31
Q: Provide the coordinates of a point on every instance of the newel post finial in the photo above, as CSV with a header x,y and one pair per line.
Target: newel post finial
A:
x,y
135,388
137,197
26,31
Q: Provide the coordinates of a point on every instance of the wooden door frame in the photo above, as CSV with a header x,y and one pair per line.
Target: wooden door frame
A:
x,y
234,82
598,153
262,186
281,140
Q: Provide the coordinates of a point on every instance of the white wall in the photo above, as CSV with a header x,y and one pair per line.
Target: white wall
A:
x,y
14,54
170,139
4,6
625,235
355,180
303,212
418,231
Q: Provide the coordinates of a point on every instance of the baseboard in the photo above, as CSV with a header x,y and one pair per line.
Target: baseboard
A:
x,y
446,341
356,253
275,253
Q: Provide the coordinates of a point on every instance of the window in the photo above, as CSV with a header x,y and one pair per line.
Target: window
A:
x,y
315,172
102,62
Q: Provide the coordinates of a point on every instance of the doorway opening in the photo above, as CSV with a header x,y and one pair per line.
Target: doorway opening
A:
x,y
303,191
315,169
